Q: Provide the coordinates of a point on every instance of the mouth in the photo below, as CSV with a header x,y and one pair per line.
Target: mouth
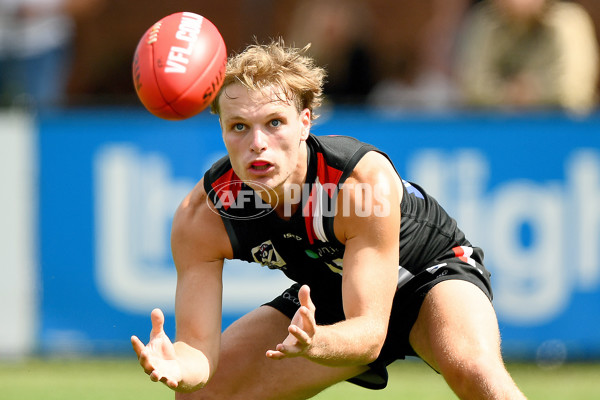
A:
x,y
260,165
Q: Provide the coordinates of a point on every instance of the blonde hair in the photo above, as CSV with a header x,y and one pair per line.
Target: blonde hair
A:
x,y
262,66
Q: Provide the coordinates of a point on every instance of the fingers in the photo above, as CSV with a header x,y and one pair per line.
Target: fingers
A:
x,y
301,330
153,357
280,352
275,355
142,354
300,335
158,373
155,376
307,309
304,297
170,383
158,322
138,346
295,344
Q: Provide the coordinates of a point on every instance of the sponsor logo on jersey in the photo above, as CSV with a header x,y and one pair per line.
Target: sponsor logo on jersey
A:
x,y
266,254
433,270
292,236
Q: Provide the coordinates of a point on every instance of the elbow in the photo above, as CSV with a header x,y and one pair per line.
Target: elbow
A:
x,y
373,354
375,347
370,356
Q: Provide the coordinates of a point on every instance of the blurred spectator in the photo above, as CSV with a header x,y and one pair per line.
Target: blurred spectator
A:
x,y
339,33
36,39
432,86
527,54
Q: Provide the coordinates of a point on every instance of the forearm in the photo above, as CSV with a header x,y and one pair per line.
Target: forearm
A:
x,y
196,368
355,341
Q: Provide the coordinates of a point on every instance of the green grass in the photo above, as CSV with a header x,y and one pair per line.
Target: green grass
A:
x,y
116,379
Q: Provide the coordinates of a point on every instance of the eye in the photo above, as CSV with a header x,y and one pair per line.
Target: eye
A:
x,y
238,127
275,123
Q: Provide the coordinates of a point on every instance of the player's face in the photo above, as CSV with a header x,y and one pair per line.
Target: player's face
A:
x,y
264,136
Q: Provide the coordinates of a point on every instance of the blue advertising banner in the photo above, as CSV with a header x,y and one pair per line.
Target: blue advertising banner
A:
x,y
526,188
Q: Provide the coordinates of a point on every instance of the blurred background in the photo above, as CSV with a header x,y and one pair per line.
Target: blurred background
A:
x,y
491,105
399,54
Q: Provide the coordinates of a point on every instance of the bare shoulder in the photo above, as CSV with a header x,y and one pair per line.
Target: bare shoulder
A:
x,y
198,232
369,201
376,169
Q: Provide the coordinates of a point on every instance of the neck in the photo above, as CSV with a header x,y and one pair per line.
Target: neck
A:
x,y
289,194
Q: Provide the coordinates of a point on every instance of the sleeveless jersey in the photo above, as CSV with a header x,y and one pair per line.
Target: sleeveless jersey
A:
x,y
304,246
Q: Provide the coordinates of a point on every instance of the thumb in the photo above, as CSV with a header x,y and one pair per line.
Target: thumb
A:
x,y
158,322
304,297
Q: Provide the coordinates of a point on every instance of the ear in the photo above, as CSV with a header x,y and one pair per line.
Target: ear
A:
x,y
306,121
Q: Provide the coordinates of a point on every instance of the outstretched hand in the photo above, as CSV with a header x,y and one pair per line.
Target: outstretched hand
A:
x,y
158,357
302,330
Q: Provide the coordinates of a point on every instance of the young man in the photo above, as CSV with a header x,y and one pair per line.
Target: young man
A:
x,y
382,271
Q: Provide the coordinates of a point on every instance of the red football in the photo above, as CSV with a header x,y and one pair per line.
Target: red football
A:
x,y
179,65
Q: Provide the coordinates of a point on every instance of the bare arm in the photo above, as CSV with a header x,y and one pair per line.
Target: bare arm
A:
x,y
370,232
200,244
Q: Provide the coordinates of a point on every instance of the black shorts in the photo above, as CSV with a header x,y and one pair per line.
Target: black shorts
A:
x,y
461,263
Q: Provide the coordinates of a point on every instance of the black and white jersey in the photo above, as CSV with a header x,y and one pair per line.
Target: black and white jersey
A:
x,y
304,246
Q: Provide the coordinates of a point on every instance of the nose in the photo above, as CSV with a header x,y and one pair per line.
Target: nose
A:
x,y
259,142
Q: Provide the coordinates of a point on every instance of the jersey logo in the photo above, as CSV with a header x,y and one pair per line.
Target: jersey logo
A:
x,y
433,270
266,254
291,236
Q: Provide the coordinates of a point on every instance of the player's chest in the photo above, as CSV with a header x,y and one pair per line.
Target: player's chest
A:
x,y
287,247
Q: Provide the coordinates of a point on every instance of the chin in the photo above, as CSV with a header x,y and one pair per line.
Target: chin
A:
x,y
260,183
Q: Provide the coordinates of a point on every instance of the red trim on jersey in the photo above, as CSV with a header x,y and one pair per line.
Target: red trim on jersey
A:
x,y
459,252
227,184
308,211
326,175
